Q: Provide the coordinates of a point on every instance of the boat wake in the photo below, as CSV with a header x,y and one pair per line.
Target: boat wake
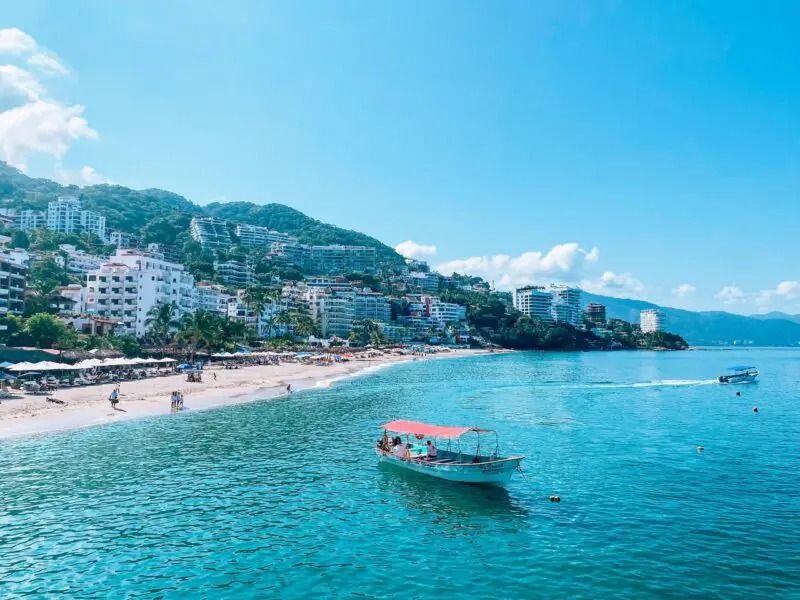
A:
x,y
658,383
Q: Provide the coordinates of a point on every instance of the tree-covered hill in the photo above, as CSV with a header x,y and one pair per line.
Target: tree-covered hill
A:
x,y
160,216
308,231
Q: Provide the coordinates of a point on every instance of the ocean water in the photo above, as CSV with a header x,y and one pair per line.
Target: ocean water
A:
x,y
285,498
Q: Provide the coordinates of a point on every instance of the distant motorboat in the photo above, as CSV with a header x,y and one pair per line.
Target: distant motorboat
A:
x,y
739,374
451,464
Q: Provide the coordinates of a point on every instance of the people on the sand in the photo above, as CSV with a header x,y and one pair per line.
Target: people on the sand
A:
x,y
114,398
289,388
431,449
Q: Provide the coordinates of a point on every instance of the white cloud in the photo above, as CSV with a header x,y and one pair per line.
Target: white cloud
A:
x,y
411,249
683,290
80,177
615,284
564,262
16,41
36,124
730,294
48,62
785,290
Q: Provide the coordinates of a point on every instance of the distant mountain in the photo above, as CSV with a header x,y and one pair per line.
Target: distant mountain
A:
x,y
707,328
776,314
161,216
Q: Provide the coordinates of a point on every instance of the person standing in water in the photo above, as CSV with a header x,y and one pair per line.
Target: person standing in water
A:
x,y
289,390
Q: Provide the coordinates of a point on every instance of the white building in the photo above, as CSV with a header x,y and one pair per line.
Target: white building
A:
x,y
396,333
133,282
535,302
567,304
651,320
254,236
372,306
74,299
235,273
78,261
212,297
423,282
446,313
121,239
342,259
31,219
210,232
333,311
13,277
64,215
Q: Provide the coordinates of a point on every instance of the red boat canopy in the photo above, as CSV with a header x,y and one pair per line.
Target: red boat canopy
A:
x,y
412,427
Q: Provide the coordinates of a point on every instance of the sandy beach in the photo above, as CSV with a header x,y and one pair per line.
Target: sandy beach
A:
x,y
87,406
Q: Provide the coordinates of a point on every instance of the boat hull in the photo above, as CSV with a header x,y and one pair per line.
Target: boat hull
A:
x,y
496,473
738,378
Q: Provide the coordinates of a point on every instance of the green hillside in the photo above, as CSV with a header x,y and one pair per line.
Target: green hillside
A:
x,y
161,216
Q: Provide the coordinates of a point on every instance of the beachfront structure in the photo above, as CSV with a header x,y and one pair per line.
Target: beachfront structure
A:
x,y
652,319
342,259
131,283
13,276
396,333
30,219
372,306
596,313
254,236
77,261
65,215
121,239
264,324
445,313
423,282
333,311
19,256
534,301
212,297
567,304
210,233
235,273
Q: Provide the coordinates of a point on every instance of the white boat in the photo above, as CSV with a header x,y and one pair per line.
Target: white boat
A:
x,y
452,463
739,375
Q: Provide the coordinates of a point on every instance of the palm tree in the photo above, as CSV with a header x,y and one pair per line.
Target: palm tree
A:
x,y
256,298
162,318
200,329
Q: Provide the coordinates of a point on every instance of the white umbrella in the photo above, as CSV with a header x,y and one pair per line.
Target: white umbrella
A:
x,y
167,360
23,366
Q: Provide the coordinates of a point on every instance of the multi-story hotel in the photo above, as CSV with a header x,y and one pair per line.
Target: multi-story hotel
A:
x,y
333,310
133,282
567,304
254,236
372,306
12,286
66,216
78,261
295,254
212,297
446,313
235,273
121,239
651,320
30,219
534,301
422,282
596,313
342,259
210,232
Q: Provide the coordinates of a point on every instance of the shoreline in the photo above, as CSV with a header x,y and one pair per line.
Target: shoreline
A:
x,y
89,406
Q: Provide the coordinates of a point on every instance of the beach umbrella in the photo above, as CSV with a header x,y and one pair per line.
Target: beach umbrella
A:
x,y
5,365
23,366
32,374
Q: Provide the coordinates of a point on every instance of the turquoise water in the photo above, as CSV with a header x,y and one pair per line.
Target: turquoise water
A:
x,y
284,498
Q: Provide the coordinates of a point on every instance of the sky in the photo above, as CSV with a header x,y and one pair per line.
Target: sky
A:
x,y
638,149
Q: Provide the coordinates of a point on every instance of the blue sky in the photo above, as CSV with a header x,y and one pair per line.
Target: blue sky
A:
x,y
644,149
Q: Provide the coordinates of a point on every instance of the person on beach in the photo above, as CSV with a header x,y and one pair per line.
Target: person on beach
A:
x,y
215,376
114,398
173,400
180,400
289,390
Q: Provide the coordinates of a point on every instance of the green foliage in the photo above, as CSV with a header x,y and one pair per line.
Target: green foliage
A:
x,y
11,328
44,330
161,319
45,276
19,239
200,330
367,331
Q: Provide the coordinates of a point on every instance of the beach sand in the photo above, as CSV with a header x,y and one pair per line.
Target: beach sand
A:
x,y
87,406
